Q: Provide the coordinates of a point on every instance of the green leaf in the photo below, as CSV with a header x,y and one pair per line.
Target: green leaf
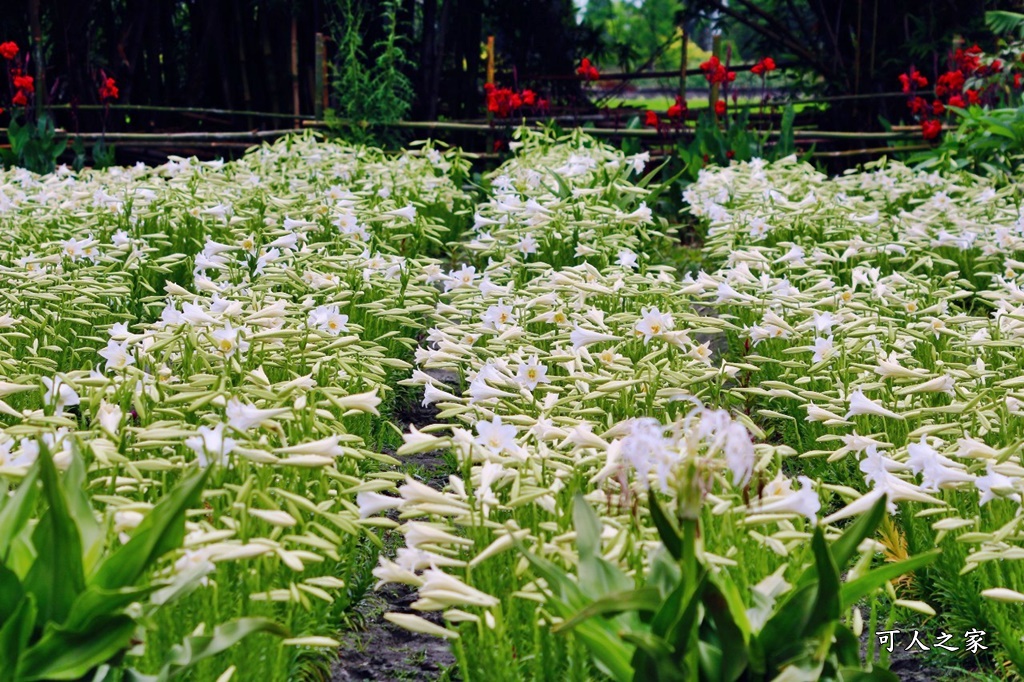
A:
x,y
63,655
15,633
74,484
732,658
196,648
11,593
826,602
667,530
597,576
161,531
646,599
56,577
877,674
855,590
15,511
844,548
96,604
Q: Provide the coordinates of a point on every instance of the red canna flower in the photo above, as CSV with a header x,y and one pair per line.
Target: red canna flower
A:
x,y
972,97
957,101
949,83
1016,80
19,99
762,67
24,82
931,128
938,108
678,110
587,70
651,119
8,50
720,107
715,71
917,105
529,97
912,80
108,90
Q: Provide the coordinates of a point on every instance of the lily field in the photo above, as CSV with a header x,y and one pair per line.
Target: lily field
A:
x,y
743,470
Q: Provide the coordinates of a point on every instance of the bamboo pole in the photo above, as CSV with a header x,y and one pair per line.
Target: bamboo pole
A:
x,y
320,74
490,82
682,65
716,48
295,68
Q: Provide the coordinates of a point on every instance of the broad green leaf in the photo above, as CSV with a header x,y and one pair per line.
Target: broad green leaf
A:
x,y
161,531
826,602
63,655
646,599
855,590
667,530
732,658
16,510
15,633
196,648
56,577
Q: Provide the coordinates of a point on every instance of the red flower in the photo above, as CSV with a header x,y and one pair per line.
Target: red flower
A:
x,y
1016,80
949,83
912,80
529,97
917,105
109,90
715,71
762,67
651,119
968,60
730,154
24,82
677,110
498,144
8,50
995,67
19,99
720,107
972,97
587,70
938,108
931,128
957,101
542,104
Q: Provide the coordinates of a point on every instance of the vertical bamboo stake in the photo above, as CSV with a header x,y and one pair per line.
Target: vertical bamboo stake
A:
x,y
490,59
37,56
716,49
682,66
490,81
295,69
320,76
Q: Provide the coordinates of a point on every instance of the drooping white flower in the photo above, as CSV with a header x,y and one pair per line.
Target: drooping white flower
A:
x,y
210,446
59,394
804,501
244,416
823,349
861,404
